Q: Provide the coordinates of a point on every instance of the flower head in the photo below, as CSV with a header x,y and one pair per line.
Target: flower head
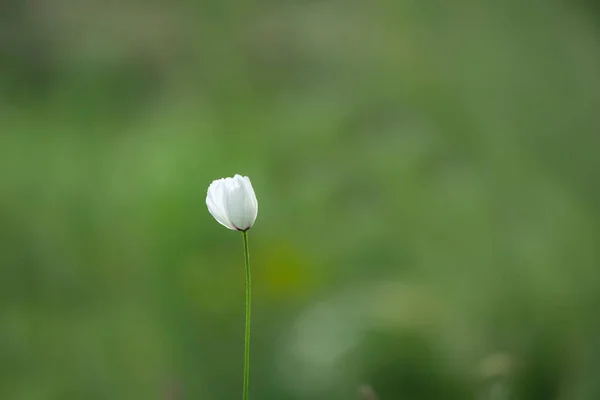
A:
x,y
232,202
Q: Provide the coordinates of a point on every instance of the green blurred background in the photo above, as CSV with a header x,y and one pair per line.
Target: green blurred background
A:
x,y
427,179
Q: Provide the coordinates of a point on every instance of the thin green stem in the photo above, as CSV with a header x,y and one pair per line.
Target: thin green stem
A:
x,y
248,308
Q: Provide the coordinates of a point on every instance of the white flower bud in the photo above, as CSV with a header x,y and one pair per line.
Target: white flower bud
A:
x,y
232,202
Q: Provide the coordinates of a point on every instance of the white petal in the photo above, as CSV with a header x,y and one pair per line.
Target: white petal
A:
x,y
216,201
242,206
252,195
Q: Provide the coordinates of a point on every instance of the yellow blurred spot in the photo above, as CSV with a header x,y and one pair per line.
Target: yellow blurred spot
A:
x,y
283,273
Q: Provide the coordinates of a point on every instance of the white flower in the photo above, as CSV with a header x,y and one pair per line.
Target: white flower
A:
x,y
232,202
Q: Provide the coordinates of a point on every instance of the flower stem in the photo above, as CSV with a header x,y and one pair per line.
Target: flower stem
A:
x,y
248,309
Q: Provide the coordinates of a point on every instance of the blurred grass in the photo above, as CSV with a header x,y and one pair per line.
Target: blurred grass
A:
x,y
426,173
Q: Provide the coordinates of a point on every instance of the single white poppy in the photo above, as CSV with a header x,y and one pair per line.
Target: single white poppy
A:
x,y
232,202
